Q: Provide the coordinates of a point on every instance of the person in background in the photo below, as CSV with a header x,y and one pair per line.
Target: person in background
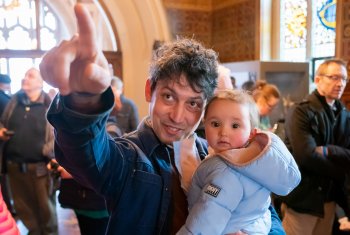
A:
x,y
135,173
266,97
89,207
317,134
5,91
224,78
248,86
28,148
8,225
229,192
233,81
52,93
125,111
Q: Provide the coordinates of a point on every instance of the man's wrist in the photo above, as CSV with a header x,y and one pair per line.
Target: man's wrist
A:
x,y
84,102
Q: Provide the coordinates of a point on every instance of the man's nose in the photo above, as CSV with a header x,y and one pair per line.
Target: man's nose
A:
x,y
177,113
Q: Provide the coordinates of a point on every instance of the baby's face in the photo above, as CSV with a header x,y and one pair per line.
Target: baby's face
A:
x,y
227,125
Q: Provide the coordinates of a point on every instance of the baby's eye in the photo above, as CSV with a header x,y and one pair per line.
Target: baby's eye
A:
x,y
215,124
235,125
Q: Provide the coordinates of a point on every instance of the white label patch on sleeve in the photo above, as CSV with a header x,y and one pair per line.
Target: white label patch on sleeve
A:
x,y
212,190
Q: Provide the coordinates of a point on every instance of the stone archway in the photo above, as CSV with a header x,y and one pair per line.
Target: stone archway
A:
x,y
135,26
139,24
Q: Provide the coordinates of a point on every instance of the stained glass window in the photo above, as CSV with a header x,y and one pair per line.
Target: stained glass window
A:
x,y
323,28
307,29
294,25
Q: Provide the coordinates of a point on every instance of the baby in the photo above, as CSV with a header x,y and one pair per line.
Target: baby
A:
x,y
229,192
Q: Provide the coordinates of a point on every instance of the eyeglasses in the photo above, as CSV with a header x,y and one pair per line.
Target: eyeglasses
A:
x,y
336,78
270,106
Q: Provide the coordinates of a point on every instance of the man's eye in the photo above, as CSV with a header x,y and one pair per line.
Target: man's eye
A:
x,y
168,97
215,124
195,105
235,125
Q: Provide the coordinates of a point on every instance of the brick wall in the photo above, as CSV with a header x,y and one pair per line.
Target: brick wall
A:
x,y
230,27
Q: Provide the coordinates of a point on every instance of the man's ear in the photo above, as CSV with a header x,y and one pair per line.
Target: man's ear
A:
x,y
317,79
148,93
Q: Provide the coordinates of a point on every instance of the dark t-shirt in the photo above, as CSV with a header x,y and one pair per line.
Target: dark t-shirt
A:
x,y
29,124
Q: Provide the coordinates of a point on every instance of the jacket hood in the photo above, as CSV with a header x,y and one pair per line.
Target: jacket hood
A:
x,y
280,173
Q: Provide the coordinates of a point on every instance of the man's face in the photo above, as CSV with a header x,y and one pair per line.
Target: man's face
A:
x,y
331,83
175,109
32,80
5,87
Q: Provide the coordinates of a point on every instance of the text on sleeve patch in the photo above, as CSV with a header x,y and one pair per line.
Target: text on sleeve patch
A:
x,y
212,190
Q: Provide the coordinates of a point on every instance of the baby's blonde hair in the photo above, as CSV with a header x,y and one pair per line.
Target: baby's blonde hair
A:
x,y
239,97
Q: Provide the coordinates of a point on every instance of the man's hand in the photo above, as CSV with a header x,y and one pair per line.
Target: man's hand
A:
x,y
77,65
63,173
3,135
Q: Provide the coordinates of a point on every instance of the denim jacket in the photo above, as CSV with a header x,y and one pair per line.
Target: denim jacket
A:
x,y
136,184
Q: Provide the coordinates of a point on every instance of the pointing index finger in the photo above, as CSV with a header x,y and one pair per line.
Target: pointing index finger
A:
x,y
87,32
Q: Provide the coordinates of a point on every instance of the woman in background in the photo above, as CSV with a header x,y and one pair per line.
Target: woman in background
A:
x,y
266,96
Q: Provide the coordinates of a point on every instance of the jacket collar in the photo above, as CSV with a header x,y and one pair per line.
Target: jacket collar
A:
x,y
148,141
145,137
23,98
316,97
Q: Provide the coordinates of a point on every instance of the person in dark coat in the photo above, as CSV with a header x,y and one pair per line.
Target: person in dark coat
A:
x,y
125,110
317,133
28,147
5,89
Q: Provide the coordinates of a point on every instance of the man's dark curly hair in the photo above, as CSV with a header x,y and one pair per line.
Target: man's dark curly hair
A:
x,y
187,57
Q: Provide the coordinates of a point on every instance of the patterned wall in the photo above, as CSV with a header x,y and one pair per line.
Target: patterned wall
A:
x,y
234,31
189,4
231,27
191,23
344,32
343,40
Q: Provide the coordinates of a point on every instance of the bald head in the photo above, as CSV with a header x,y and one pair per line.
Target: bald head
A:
x,y
224,79
117,83
32,81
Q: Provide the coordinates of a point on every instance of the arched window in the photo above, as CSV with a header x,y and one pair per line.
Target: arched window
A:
x,y
307,29
29,28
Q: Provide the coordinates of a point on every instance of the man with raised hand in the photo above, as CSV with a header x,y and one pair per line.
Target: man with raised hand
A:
x,y
136,174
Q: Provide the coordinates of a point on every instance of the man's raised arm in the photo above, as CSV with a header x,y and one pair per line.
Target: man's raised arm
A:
x,y
78,67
